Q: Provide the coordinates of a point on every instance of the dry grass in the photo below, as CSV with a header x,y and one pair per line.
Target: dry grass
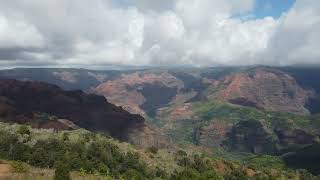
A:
x,y
32,174
7,173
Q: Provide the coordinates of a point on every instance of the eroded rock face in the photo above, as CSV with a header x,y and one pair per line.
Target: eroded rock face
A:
x,y
212,135
21,100
149,136
251,136
295,136
141,92
266,89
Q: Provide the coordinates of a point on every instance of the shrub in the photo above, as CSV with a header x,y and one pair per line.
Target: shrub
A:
x,y
62,171
186,174
65,137
181,153
210,175
19,167
152,150
24,130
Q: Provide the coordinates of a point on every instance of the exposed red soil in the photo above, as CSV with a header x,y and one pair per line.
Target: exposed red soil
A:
x,y
266,89
124,90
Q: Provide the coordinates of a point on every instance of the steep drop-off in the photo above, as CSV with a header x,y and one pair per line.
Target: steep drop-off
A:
x,y
141,92
20,101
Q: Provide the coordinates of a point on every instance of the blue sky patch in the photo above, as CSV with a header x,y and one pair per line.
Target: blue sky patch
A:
x,y
272,8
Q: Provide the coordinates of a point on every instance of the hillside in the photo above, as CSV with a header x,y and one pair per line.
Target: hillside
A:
x,y
141,92
266,89
68,79
25,102
273,110
89,155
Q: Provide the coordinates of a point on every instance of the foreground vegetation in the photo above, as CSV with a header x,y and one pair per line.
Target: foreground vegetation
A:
x,y
76,154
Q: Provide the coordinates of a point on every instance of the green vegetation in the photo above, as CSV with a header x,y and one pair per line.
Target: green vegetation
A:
x,y
76,154
62,171
207,111
19,167
307,157
264,162
204,113
93,153
232,113
153,150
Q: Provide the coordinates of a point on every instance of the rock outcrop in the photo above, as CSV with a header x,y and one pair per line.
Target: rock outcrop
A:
x,y
212,135
141,92
20,101
295,136
266,89
251,136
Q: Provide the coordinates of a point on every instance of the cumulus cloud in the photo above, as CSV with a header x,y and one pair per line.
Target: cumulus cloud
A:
x,y
12,36
297,38
144,32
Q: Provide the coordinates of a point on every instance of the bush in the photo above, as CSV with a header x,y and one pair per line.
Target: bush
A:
x,y
19,167
152,150
210,175
186,174
181,153
236,175
24,130
62,171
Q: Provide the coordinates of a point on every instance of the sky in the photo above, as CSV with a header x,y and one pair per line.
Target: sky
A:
x,y
100,33
274,8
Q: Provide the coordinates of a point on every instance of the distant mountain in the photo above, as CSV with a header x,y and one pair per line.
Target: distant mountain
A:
x,y
267,89
210,107
69,79
141,92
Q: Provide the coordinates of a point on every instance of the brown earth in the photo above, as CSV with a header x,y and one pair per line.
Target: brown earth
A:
x,y
182,112
266,89
149,136
214,134
125,91
5,170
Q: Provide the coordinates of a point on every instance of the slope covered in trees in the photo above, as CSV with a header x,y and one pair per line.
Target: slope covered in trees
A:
x,y
86,153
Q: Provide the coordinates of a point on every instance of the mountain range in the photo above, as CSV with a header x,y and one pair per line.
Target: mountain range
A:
x,y
260,110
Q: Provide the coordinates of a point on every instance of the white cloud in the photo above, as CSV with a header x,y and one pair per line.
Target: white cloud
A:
x,y
142,32
147,5
297,38
19,34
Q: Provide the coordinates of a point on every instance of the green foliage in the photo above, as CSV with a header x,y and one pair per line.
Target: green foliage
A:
x,y
62,171
193,174
305,158
96,154
236,175
24,130
89,153
19,167
232,113
212,175
65,137
82,172
264,162
152,149
181,153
